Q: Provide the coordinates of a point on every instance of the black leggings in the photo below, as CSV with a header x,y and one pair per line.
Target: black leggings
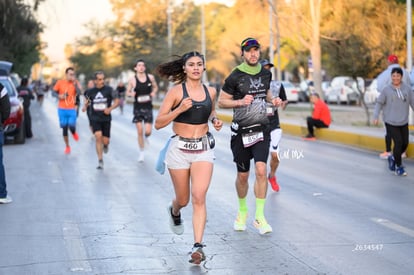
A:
x,y
65,130
399,135
311,122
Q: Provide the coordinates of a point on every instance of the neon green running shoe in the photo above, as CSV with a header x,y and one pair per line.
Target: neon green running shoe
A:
x,y
240,222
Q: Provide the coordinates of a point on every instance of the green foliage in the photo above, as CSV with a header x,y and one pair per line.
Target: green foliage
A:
x,y
19,31
356,35
146,38
404,1
88,63
363,35
143,42
350,56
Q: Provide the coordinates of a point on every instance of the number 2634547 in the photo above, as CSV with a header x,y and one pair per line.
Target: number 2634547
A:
x,y
368,247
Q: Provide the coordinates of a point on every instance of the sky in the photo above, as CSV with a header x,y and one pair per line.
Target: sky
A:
x,y
64,21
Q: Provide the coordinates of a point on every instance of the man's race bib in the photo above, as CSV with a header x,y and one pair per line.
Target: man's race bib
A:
x,y
250,139
99,106
144,98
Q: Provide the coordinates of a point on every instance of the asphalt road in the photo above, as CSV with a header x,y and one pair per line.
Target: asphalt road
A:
x,y
339,210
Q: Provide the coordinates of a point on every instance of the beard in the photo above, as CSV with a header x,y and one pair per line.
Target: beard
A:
x,y
250,63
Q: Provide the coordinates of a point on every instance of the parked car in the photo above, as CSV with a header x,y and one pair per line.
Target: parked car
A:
x,y
306,88
371,92
292,93
326,86
343,89
13,126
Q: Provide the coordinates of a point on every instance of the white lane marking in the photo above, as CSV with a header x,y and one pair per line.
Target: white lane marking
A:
x,y
394,226
74,246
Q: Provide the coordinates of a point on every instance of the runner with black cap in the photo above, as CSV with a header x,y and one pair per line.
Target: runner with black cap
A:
x,y
247,91
274,124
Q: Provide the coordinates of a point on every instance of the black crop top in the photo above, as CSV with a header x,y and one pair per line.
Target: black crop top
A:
x,y
199,112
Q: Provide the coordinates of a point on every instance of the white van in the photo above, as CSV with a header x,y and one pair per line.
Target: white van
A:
x,y
343,89
371,93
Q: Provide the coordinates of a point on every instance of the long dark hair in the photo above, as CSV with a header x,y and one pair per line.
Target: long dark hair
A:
x,y
174,70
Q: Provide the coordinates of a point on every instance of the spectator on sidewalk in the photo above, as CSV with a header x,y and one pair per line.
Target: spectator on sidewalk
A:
x,y
394,101
384,79
4,114
27,95
321,116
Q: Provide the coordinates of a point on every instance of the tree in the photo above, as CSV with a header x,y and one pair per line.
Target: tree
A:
x,y
140,31
87,63
99,50
304,25
20,35
362,37
351,58
140,34
374,22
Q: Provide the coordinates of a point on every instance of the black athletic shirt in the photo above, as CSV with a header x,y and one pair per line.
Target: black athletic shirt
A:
x,y
99,99
142,90
239,84
199,112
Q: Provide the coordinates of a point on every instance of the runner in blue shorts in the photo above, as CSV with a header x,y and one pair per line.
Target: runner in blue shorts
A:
x,y
67,91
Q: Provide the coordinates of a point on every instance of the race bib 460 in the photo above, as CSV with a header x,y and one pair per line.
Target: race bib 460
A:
x,y
190,145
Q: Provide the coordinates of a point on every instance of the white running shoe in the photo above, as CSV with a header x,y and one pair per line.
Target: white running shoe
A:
x,y
176,223
100,165
141,157
5,200
197,254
